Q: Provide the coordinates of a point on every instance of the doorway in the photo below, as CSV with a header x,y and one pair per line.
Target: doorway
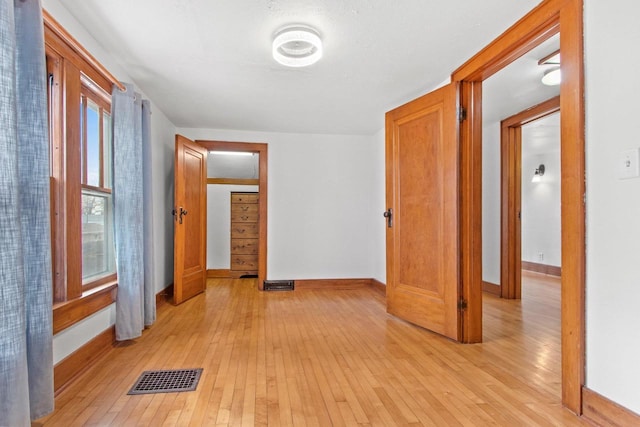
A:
x,y
260,184
547,19
522,177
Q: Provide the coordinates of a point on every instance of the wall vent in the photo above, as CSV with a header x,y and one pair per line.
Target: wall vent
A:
x,y
278,285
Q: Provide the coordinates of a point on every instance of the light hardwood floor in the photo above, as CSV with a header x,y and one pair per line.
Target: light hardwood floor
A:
x,y
330,357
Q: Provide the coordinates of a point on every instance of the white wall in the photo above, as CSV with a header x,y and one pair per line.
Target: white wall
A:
x,y
378,233
162,135
321,204
219,223
613,205
491,202
540,205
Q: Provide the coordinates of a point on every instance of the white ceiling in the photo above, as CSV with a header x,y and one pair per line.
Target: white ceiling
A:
x,y
207,64
517,87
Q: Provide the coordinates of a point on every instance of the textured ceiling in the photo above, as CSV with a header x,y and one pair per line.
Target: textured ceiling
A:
x,y
207,64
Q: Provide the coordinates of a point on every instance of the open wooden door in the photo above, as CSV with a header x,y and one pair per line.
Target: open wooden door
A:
x,y
190,215
422,220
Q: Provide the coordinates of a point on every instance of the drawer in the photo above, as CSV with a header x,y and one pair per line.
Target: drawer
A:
x,y
241,230
244,198
244,262
244,246
244,208
244,216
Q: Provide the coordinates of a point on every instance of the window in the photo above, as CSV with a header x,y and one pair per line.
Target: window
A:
x,y
84,273
98,258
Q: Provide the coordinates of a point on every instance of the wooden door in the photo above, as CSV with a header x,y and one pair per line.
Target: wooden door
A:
x,y
190,220
422,193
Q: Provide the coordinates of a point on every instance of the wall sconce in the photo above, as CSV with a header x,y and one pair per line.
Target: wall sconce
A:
x,y
537,176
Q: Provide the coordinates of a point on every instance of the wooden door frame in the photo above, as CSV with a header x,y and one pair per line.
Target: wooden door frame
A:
x,y
547,19
262,150
510,191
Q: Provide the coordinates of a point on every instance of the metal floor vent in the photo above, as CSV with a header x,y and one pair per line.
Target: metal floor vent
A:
x,y
278,285
171,381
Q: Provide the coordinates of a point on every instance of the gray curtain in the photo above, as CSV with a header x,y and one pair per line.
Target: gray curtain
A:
x,y
26,356
136,303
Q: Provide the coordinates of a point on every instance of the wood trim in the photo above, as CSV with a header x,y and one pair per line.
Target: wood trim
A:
x,y
547,19
511,189
57,155
71,312
544,60
534,113
572,202
551,270
219,274
233,181
333,284
78,362
604,412
57,29
73,188
379,287
470,207
531,30
263,161
164,296
491,288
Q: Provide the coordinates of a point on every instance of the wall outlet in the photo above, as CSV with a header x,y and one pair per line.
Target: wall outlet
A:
x,y
540,256
629,164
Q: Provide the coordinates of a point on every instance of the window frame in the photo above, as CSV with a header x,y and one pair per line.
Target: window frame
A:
x,y
69,67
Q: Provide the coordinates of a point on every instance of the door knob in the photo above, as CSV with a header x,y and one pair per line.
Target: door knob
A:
x,y
389,215
178,214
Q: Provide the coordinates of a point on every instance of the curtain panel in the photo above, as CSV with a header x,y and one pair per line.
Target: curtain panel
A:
x,y
26,352
133,227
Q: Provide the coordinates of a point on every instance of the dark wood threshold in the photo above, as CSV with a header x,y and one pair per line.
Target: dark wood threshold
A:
x,y
551,270
601,411
491,288
70,312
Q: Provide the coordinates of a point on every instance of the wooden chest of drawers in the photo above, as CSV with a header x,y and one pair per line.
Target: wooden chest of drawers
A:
x,y
244,234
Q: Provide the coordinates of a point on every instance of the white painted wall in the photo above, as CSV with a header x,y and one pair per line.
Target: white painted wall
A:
x,y
162,135
491,202
613,205
219,223
378,234
540,204
321,204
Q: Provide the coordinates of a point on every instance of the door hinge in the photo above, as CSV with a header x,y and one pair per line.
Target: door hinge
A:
x,y
462,114
462,304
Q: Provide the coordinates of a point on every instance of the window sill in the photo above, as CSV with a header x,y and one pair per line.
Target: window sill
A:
x,y
70,312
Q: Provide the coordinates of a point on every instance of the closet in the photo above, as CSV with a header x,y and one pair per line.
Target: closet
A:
x,y
244,234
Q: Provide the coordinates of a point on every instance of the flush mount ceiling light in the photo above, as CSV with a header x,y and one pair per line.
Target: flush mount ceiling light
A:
x,y
297,46
553,76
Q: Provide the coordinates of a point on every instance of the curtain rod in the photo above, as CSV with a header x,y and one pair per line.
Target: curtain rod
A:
x,y
59,30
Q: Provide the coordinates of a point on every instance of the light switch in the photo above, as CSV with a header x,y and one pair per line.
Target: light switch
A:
x,y
629,164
